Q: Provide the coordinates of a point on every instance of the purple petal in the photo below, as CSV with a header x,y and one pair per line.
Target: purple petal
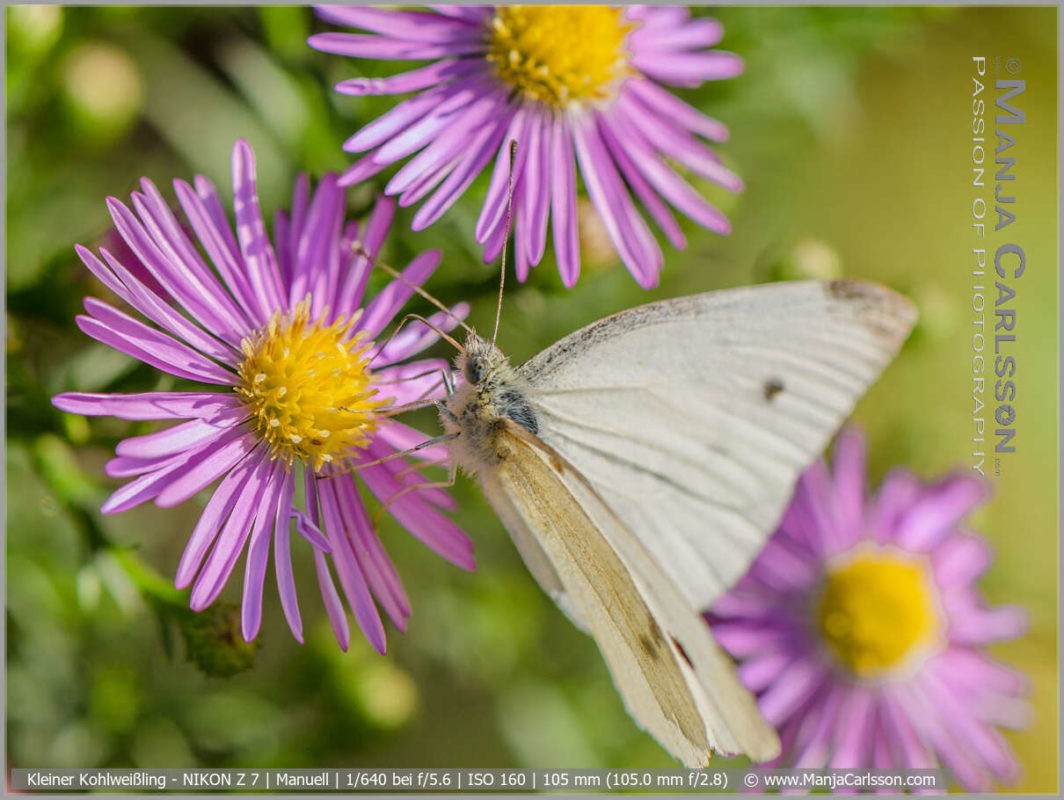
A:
x,y
935,514
136,339
354,283
231,448
210,521
255,245
494,208
316,257
311,532
697,33
410,476
476,15
849,472
361,170
445,147
359,45
172,241
333,605
650,199
414,26
563,203
854,729
981,626
688,69
762,669
898,492
282,558
812,747
537,185
180,280
352,579
665,180
123,283
259,553
743,639
976,669
394,296
171,238
675,143
383,579
413,81
980,738
410,111
437,532
910,747
254,504
300,205
146,405
626,228
179,437
960,559
142,489
221,248
669,106
482,145
780,701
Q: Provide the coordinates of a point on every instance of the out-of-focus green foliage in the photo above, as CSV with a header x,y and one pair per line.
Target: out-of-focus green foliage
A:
x,y
848,128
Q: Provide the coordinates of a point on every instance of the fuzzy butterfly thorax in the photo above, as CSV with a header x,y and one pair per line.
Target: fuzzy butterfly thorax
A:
x,y
489,394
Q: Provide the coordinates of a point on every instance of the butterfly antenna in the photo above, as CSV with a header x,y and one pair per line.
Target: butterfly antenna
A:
x,y
360,250
506,236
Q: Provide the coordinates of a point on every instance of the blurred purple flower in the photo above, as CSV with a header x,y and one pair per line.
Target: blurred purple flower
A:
x,y
281,328
861,631
572,85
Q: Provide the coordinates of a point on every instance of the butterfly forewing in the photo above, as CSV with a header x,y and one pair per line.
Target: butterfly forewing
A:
x,y
692,418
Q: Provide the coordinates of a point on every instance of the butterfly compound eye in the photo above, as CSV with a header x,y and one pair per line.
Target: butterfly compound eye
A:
x,y
474,369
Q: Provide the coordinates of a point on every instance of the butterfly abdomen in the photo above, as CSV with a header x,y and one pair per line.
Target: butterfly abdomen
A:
x,y
490,394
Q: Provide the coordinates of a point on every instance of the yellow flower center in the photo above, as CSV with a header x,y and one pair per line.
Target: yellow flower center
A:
x,y
877,610
308,387
559,54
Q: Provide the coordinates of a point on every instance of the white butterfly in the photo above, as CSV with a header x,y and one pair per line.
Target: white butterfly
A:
x,y
640,463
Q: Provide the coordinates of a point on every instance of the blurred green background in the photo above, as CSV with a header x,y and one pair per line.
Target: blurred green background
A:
x,y
851,129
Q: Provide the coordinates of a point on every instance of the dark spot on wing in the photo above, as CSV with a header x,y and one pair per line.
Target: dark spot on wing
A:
x,y
683,652
556,463
772,387
649,646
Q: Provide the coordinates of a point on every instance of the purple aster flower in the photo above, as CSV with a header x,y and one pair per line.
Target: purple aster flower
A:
x,y
299,392
861,631
573,85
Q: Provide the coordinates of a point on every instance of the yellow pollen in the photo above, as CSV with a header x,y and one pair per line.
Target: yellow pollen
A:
x,y
877,610
315,415
560,55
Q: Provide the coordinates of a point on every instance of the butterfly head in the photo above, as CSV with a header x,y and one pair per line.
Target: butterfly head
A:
x,y
490,393
482,363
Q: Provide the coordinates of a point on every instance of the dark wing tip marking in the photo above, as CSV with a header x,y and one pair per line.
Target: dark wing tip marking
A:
x,y
886,313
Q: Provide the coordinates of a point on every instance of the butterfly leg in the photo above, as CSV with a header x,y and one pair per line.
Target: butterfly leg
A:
x,y
452,476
